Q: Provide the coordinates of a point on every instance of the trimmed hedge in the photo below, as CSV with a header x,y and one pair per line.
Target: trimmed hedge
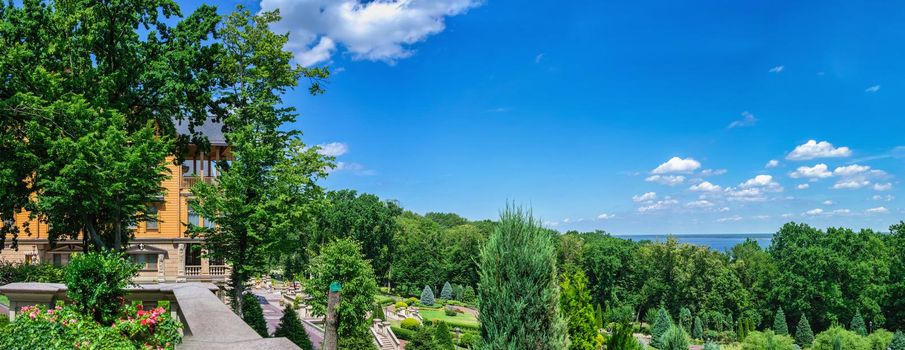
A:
x,y
402,333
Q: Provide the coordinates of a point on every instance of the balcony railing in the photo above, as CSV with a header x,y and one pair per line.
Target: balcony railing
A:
x,y
188,182
192,270
218,270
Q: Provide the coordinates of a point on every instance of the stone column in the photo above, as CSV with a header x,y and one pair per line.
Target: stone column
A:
x,y
180,264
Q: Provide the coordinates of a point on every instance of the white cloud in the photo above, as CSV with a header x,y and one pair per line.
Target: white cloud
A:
x,y
670,180
355,168
818,171
764,182
709,172
827,202
762,217
724,209
886,198
372,30
777,69
606,216
748,119
877,210
539,57
772,164
872,89
883,187
731,218
699,204
850,184
662,204
850,170
816,211
646,197
333,149
706,187
788,215
802,186
840,212
677,165
813,149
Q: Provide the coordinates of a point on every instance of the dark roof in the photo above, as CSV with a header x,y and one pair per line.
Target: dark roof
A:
x,y
213,130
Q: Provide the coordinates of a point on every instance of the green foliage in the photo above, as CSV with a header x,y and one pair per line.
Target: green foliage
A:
x,y
575,303
879,339
711,346
377,312
779,323
468,295
898,341
803,334
291,328
836,337
685,319
403,333
767,341
674,339
442,338
400,305
660,327
449,312
253,315
411,324
697,331
446,292
17,272
518,296
342,261
427,296
96,283
858,325
423,340
598,317
623,339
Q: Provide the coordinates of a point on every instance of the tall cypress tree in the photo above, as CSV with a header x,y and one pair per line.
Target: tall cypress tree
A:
x,y
598,315
253,315
291,328
518,295
697,330
576,307
660,327
803,334
779,323
442,337
685,319
857,325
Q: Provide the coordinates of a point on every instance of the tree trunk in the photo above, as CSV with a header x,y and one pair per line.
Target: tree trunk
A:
x,y
330,324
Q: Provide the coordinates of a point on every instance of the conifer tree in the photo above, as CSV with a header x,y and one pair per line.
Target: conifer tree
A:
x,y
779,323
803,334
253,315
423,340
576,307
291,328
598,315
857,325
468,294
697,330
442,337
711,346
518,294
685,319
898,341
674,339
446,292
427,296
660,327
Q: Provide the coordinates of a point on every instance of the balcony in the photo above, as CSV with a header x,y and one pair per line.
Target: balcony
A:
x,y
218,270
188,182
192,270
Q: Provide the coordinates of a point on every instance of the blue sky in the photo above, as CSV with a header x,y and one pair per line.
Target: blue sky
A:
x,y
576,109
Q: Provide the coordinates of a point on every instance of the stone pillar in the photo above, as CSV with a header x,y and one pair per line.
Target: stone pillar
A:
x,y
161,269
180,263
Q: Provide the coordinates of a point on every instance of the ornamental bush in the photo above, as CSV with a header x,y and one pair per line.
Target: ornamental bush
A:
x,y
468,294
711,346
697,330
660,327
858,325
401,305
410,324
253,315
17,272
291,328
96,284
804,337
685,319
446,292
623,339
427,296
442,338
779,323
674,339
898,341
879,339
767,341
837,337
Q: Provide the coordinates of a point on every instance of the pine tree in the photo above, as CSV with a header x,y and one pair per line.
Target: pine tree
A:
x,y
427,296
253,315
779,323
468,294
377,313
803,334
742,329
442,337
575,303
598,316
660,327
446,292
423,340
858,326
674,339
697,331
685,319
898,341
518,295
291,328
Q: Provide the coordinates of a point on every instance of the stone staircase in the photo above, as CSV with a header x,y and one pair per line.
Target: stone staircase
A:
x,y
384,336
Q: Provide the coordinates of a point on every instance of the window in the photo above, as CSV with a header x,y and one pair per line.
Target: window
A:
x,y
151,224
192,255
188,168
209,223
146,262
194,218
60,259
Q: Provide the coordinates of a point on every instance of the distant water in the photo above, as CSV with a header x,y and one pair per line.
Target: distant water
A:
x,y
720,242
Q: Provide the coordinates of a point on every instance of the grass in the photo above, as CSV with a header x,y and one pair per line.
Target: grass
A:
x,y
464,319
4,300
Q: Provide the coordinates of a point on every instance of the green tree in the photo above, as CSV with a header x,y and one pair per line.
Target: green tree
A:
x,y
894,305
446,292
442,337
96,284
711,346
598,317
423,340
838,337
263,199
417,246
697,331
575,303
254,315
858,325
779,323
88,102
803,334
660,327
879,339
674,339
291,328
898,341
767,341
623,339
518,296
342,261
468,295
427,296
685,319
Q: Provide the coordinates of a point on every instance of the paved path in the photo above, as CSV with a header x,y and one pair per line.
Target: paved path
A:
x,y
270,304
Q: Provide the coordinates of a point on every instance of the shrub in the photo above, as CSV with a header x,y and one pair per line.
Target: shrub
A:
x,y
674,339
697,330
412,301
803,334
779,323
402,333
857,325
838,336
468,295
650,317
450,312
291,328
442,338
423,340
685,319
446,292
660,327
898,341
96,284
879,339
15,272
401,305
253,315
711,335
411,324
468,340
427,296
711,346
767,341
622,338
378,313
727,336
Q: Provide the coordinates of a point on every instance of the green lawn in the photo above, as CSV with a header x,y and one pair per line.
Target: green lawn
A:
x,y
463,318
4,300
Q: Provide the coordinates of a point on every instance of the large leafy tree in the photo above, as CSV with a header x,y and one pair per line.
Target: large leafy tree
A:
x,y
894,304
88,100
518,295
418,244
264,199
